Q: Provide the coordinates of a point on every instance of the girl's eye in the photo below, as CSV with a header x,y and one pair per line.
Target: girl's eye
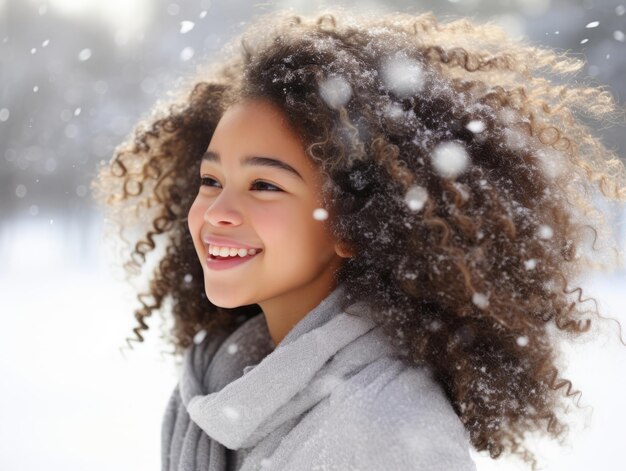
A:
x,y
262,183
208,181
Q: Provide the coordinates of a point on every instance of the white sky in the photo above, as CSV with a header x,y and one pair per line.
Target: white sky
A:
x,y
127,16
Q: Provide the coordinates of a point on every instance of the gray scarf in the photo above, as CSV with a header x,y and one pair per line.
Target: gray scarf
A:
x,y
241,394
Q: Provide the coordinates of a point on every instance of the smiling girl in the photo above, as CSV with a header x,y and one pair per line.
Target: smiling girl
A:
x,y
371,231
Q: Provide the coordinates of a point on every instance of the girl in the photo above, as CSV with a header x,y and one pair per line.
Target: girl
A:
x,y
370,230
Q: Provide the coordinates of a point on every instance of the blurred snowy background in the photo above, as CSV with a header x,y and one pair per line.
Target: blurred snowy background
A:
x,y
74,77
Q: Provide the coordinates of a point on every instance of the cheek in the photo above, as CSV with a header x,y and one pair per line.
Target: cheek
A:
x,y
195,219
290,228
272,224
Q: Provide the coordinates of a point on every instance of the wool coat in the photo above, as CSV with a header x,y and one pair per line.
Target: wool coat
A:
x,y
333,395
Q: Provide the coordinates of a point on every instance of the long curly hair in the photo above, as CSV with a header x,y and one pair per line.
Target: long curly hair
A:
x,y
458,170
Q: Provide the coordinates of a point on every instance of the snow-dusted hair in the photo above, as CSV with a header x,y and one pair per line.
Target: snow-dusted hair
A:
x,y
456,171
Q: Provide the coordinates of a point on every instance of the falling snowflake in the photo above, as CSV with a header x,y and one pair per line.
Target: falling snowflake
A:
x,y
335,91
4,114
480,300
545,232
186,54
232,348
522,341
404,77
552,162
415,198
530,264
199,337
84,54
320,214
186,26
593,24
450,159
476,126
619,36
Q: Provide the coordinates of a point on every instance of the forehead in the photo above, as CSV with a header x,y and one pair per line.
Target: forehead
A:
x,y
256,120
258,128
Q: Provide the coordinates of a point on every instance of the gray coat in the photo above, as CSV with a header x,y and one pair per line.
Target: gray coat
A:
x,y
332,396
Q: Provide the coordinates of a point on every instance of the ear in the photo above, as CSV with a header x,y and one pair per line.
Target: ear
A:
x,y
343,250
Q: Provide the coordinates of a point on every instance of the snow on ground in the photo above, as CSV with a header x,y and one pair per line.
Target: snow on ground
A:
x,y
69,399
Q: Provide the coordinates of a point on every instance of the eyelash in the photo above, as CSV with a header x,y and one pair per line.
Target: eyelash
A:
x,y
203,182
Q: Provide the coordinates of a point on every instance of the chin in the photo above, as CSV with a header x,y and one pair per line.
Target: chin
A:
x,y
223,300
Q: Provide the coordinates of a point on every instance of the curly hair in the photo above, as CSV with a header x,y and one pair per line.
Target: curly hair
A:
x,y
457,169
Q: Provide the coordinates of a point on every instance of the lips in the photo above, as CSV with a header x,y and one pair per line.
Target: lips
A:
x,y
224,263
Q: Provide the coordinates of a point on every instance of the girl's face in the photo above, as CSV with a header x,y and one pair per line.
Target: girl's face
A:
x,y
259,189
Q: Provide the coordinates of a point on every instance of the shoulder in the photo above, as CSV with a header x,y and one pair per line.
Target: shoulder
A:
x,y
395,391
392,416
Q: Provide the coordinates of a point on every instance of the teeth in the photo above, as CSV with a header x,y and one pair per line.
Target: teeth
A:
x,y
230,251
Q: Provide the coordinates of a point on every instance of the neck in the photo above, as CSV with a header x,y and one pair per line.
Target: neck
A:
x,y
284,312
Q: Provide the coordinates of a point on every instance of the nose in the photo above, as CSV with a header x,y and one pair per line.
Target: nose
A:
x,y
223,211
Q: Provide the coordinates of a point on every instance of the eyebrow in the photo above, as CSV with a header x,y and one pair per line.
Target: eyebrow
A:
x,y
211,156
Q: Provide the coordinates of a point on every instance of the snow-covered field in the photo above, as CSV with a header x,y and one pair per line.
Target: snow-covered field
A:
x,y
71,401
